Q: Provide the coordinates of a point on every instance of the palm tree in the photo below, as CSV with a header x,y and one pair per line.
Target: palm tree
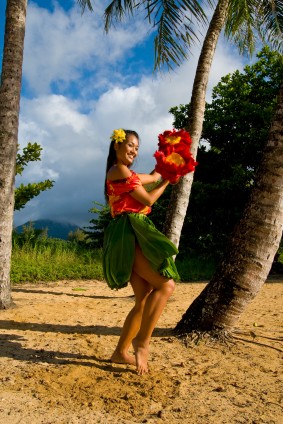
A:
x,y
181,192
252,247
10,89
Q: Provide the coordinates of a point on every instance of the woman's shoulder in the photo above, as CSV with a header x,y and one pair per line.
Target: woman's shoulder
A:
x,y
119,172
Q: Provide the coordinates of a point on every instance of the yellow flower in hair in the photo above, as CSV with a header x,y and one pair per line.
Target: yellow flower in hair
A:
x,y
118,136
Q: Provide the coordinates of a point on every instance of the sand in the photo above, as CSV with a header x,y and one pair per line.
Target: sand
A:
x,y
56,342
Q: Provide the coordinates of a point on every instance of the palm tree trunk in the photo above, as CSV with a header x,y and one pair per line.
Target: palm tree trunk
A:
x,y
252,247
10,89
181,192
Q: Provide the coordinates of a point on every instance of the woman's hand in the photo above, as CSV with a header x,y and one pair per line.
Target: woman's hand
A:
x,y
155,175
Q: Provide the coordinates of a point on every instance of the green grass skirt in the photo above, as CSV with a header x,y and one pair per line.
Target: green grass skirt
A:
x,y
120,238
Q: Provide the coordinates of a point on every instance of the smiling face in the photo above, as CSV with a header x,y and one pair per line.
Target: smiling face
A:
x,y
127,151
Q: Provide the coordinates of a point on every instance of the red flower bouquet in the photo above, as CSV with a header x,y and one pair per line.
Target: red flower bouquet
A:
x,y
173,157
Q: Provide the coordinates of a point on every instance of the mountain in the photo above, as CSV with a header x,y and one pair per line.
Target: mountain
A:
x,y
54,229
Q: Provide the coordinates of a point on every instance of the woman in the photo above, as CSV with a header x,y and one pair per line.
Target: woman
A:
x,y
134,250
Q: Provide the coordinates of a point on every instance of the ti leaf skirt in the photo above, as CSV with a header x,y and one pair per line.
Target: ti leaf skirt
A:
x,y
120,238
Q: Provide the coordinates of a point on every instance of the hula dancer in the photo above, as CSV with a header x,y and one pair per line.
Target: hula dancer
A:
x,y
134,250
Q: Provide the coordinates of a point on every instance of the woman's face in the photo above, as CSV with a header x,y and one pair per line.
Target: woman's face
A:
x,y
127,151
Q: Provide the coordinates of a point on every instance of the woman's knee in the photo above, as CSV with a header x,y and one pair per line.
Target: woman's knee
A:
x,y
173,286
169,287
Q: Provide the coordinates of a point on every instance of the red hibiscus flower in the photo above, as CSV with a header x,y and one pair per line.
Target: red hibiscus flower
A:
x,y
173,157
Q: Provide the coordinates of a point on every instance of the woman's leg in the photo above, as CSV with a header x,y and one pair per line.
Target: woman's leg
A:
x,y
154,305
133,321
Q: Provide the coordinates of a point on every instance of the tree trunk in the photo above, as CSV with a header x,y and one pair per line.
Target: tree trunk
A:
x,y
252,247
10,89
181,192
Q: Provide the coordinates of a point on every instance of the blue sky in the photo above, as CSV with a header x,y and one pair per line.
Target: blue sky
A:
x,y
78,85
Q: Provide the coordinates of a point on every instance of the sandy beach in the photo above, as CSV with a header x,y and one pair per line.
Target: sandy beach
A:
x,y
56,343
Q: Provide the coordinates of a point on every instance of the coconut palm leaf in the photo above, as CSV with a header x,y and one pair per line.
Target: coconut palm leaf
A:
x,y
240,24
117,10
85,3
270,23
249,21
175,29
175,22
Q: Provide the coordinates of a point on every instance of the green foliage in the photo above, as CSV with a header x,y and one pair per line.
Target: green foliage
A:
x,y
78,236
192,268
36,257
249,21
24,193
29,235
238,119
181,115
95,232
31,153
159,209
277,266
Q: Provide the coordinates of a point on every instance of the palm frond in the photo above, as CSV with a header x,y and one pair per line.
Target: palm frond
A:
x,y
174,21
251,20
175,32
85,3
240,24
270,23
117,10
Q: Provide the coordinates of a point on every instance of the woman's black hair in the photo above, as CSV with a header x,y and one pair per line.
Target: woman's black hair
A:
x,y
111,159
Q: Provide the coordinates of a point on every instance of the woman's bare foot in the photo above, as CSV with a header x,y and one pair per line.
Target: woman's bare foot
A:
x,y
141,354
122,358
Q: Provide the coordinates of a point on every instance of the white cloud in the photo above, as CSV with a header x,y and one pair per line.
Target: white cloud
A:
x,y
64,47
61,47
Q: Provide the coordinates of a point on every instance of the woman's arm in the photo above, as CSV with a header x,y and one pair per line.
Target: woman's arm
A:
x,y
153,177
149,198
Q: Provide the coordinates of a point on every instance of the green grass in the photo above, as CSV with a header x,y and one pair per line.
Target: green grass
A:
x,y
53,260
195,269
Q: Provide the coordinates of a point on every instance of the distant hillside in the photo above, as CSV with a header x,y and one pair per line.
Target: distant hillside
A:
x,y
55,229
